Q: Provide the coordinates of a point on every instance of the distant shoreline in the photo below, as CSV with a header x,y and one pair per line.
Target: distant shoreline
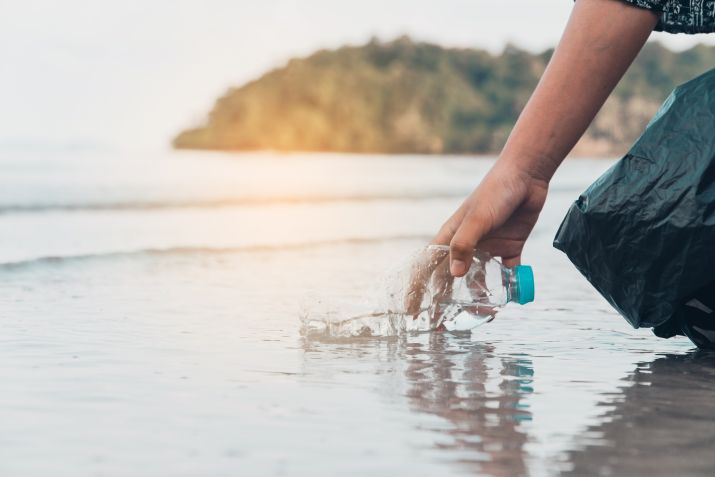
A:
x,y
405,97
476,156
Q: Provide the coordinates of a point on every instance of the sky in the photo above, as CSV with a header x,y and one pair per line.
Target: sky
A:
x,y
131,74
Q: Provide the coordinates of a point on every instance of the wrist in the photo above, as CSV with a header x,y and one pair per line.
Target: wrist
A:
x,y
532,167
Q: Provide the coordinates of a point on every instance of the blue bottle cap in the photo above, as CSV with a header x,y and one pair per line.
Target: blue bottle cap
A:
x,y
524,284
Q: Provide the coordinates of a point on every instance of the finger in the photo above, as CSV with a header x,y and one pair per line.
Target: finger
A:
x,y
464,242
417,284
511,262
422,269
449,228
442,281
505,248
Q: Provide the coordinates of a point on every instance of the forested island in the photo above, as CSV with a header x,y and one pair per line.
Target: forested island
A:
x,y
404,96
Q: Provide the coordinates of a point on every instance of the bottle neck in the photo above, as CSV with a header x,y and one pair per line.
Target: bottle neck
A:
x,y
512,286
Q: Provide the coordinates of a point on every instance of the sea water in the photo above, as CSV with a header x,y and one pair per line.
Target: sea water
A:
x,y
150,310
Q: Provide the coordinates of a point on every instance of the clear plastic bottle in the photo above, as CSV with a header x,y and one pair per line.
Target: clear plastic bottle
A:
x,y
421,295
464,303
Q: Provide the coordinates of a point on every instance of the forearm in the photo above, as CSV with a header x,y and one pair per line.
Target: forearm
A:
x,y
601,40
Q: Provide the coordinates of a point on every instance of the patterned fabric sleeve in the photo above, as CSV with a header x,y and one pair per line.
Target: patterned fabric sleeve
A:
x,y
681,16
655,5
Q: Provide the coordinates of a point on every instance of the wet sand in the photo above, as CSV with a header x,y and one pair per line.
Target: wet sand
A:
x,y
165,339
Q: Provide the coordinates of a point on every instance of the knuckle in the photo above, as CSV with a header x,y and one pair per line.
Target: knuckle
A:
x,y
461,247
483,218
448,229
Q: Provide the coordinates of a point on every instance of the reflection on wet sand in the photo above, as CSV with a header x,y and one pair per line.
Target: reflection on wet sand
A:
x,y
480,394
471,404
663,424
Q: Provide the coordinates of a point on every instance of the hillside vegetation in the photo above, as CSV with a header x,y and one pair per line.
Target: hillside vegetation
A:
x,y
409,97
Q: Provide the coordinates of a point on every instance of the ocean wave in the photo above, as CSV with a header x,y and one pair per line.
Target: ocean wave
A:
x,y
149,205
9,208
202,250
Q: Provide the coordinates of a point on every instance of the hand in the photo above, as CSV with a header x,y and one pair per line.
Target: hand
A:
x,y
497,218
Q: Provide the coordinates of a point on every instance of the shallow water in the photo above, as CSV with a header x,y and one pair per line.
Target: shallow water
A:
x,y
150,326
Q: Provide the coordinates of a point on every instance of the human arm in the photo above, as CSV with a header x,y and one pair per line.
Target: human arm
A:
x,y
600,41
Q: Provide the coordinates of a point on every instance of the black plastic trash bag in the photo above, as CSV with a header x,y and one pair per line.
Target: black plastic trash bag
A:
x,y
643,234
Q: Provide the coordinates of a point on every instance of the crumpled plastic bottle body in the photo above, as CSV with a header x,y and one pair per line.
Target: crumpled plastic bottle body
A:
x,y
417,295
464,303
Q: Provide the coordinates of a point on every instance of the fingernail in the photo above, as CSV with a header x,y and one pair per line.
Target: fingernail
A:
x,y
457,267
